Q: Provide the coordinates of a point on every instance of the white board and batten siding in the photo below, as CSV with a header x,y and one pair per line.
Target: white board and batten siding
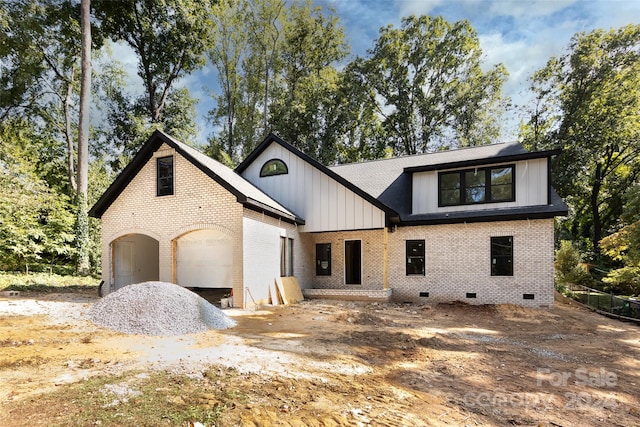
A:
x,y
324,203
531,189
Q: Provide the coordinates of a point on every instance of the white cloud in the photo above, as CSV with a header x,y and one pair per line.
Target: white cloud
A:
x,y
527,9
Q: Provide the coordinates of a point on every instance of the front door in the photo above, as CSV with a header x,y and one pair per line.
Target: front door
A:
x,y
353,262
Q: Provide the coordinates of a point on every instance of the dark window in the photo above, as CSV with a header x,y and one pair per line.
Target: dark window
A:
x,y
415,257
450,189
164,169
353,262
323,259
480,185
501,184
502,256
286,257
274,167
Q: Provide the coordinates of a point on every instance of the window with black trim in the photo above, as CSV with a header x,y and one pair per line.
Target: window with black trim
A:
x,y
323,259
164,174
478,185
415,258
274,167
502,256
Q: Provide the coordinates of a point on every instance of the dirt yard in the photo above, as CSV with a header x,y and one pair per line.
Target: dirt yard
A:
x,y
346,363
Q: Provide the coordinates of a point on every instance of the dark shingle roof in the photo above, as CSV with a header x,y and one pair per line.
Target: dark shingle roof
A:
x,y
390,180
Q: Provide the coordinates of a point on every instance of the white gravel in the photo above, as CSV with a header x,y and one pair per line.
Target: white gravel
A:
x,y
159,309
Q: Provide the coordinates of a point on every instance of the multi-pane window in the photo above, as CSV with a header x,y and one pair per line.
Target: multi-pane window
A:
x,y
415,257
274,167
164,174
479,185
286,257
323,259
502,256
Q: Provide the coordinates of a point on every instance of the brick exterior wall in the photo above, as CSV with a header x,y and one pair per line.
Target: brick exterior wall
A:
x,y
198,203
457,262
372,254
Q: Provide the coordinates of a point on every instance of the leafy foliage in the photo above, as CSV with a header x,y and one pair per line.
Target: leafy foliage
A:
x,y
429,87
36,224
623,247
170,38
567,265
587,105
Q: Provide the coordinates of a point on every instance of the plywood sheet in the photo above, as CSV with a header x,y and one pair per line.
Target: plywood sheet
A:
x,y
289,289
280,288
274,295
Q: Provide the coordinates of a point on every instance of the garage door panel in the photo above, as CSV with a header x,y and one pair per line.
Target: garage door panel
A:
x,y
204,259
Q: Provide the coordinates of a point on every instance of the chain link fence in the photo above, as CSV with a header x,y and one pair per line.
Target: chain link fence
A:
x,y
602,301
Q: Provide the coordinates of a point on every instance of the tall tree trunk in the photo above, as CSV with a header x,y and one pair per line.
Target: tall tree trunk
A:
x,y
595,212
82,224
66,106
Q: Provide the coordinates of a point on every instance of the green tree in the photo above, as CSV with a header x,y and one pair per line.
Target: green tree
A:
x,y
231,41
308,112
429,85
170,38
623,247
567,265
595,101
36,223
40,57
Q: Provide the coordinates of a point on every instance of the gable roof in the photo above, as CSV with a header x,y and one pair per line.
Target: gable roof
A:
x,y
390,180
391,213
246,193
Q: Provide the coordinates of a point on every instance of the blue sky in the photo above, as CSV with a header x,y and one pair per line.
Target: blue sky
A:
x,y
521,34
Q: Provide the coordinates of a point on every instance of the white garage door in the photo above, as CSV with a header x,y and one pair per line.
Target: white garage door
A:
x,y
204,259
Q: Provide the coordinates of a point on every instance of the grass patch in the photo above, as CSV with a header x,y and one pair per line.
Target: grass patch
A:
x,y
45,282
140,399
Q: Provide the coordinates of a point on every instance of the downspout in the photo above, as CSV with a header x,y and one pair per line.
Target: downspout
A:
x,y
385,259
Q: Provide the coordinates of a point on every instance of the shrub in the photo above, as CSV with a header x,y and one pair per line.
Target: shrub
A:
x,y
567,265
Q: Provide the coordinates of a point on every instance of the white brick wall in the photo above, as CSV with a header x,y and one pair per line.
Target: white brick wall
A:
x,y
372,254
198,203
457,259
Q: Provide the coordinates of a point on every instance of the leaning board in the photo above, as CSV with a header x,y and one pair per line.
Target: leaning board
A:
x,y
289,289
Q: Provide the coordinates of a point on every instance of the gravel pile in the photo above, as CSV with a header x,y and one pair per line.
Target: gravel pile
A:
x,y
157,308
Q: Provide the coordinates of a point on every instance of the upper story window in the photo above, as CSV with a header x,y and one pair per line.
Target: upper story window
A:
x,y
479,185
164,174
274,167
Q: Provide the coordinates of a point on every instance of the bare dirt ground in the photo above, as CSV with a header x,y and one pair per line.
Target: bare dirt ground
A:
x,y
347,363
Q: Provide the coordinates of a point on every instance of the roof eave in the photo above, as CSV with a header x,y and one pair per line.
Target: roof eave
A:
x,y
128,173
504,215
484,161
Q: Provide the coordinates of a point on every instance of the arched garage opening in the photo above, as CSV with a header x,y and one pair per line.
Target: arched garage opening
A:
x,y
204,259
135,259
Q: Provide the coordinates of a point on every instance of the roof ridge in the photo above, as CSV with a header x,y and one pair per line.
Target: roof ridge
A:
x,y
413,156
